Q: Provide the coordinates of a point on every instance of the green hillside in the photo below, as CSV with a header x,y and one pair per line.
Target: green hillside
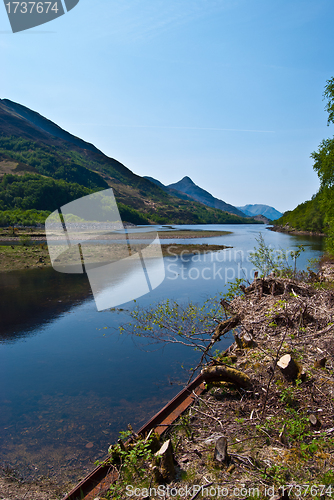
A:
x,y
308,216
317,214
42,167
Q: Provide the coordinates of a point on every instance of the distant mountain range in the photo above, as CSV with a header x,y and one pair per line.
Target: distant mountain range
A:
x,y
43,167
269,212
187,188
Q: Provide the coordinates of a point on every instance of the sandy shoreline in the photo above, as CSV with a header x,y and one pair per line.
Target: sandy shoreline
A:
x,y
8,238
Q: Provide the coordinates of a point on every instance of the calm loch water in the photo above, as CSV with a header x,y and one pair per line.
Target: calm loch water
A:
x,y
69,382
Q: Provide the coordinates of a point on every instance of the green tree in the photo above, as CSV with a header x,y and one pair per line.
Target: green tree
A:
x,y
324,163
324,157
324,166
329,95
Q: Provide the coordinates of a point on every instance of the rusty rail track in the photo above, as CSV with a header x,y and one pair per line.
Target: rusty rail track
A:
x,y
103,476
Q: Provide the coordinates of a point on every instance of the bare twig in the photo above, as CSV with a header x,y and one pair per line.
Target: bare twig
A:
x,y
209,416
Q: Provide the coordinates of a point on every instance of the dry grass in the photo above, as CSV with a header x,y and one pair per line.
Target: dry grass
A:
x,y
18,257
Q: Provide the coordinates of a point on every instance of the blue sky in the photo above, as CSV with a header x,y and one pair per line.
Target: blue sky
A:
x,y
228,92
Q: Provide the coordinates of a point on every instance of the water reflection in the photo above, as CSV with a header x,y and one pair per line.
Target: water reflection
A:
x,y
32,297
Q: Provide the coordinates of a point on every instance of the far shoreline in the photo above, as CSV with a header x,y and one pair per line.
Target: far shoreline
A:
x,y
292,230
10,236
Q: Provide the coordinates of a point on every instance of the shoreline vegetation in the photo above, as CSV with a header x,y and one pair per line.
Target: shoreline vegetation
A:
x,y
27,249
291,230
317,214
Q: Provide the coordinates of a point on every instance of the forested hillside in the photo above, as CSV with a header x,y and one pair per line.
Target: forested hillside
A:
x,y
42,167
317,214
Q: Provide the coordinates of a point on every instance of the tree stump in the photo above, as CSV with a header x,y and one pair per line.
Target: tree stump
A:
x,y
154,440
314,421
289,367
166,459
238,340
226,374
247,341
220,453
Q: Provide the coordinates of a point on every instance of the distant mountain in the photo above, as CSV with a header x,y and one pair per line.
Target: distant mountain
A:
x,y
170,190
187,188
43,167
269,212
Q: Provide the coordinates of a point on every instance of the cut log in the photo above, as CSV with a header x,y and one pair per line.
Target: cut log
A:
x,y
227,374
220,453
289,367
166,461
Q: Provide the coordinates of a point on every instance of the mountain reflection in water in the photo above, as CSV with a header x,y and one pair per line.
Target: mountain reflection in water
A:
x,y
35,296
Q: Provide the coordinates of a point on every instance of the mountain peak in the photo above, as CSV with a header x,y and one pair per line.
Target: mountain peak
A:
x,y
188,180
187,186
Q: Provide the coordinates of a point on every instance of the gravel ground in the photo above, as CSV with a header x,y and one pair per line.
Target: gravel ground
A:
x,y
11,489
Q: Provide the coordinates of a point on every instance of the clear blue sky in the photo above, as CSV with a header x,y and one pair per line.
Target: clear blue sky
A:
x,y
228,92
